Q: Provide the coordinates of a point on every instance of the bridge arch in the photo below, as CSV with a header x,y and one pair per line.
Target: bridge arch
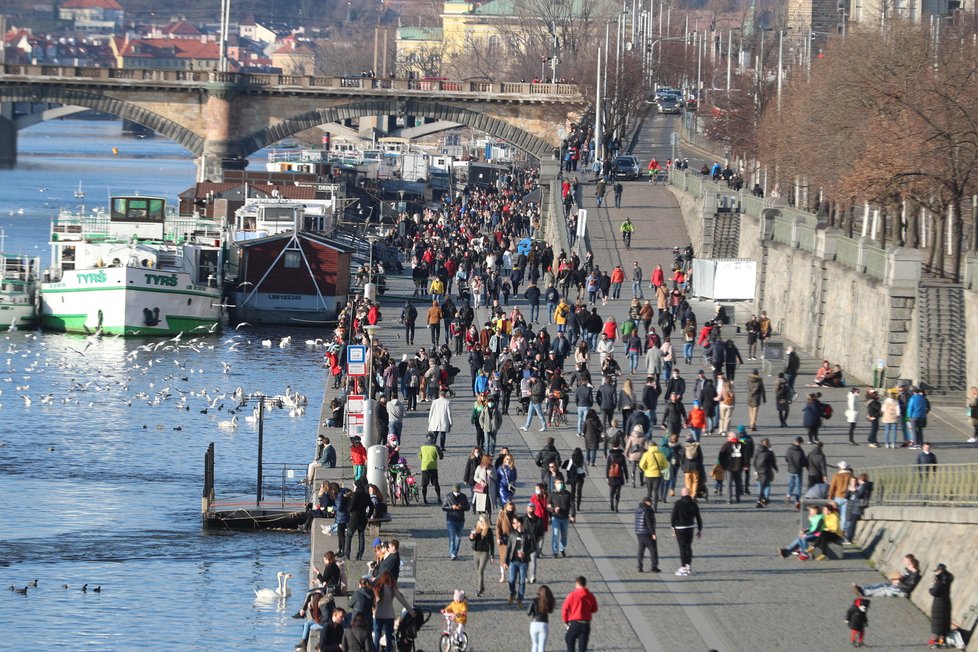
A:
x,y
105,104
507,131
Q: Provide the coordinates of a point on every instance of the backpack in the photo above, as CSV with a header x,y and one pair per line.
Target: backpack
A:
x,y
614,471
690,452
826,411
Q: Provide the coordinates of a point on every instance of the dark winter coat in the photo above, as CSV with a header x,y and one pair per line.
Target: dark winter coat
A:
x,y
765,464
796,459
940,610
733,457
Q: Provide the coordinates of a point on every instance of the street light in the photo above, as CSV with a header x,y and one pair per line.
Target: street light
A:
x,y
370,288
369,425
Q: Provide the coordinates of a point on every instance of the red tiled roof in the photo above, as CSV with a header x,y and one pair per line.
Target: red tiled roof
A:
x,y
92,4
147,48
180,28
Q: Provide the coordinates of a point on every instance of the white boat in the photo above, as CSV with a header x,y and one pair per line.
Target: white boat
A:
x,y
139,269
18,291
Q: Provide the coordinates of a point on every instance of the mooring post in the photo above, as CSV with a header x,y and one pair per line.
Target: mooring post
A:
x,y
261,432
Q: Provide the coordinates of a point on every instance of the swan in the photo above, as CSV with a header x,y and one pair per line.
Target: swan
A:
x,y
253,417
266,343
231,424
283,590
285,342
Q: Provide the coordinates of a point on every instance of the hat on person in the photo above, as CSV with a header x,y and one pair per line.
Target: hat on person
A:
x,y
700,371
843,465
732,437
376,542
457,487
696,402
741,430
756,371
940,567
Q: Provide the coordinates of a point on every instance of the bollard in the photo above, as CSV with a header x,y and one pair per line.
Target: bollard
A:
x,y
377,468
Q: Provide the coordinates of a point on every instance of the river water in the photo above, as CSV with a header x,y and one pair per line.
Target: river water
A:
x,y
97,485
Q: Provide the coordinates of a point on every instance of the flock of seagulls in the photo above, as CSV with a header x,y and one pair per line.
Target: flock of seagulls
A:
x,y
161,373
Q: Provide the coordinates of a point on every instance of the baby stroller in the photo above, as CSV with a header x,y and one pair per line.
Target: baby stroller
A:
x,y
407,629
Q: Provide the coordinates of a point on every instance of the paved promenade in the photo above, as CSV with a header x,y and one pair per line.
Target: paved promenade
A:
x,y
742,596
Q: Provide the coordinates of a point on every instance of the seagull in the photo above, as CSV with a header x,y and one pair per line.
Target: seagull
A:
x,y
244,323
27,400
244,283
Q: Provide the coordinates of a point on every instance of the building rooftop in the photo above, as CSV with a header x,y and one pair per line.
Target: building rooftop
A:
x,y
91,4
419,33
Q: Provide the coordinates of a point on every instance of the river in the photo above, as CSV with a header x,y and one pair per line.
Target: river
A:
x,y
103,487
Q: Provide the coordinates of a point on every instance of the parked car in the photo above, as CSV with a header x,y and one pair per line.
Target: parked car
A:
x,y
626,166
669,104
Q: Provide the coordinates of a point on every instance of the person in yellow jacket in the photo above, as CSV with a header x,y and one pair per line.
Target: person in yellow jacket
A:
x,y
831,531
653,463
437,288
560,315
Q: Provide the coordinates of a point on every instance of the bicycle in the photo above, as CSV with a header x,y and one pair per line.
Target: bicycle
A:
x,y
627,237
451,639
556,414
397,485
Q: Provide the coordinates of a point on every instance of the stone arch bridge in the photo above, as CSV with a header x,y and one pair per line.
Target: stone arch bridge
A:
x,y
223,117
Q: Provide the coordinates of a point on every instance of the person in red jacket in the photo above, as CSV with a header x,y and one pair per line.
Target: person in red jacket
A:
x,y
697,420
658,277
358,457
617,278
579,606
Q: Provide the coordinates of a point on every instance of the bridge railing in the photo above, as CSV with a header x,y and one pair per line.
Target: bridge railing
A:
x,y
258,80
952,485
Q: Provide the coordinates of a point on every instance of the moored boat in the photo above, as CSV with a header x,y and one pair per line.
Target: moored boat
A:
x,y
139,269
18,291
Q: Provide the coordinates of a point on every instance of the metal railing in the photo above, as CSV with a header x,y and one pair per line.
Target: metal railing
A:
x,y
284,482
945,485
271,81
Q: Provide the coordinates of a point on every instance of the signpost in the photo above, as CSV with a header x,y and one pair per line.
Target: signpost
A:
x,y
354,415
356,360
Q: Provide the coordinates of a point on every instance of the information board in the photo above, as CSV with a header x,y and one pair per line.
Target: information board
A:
x,y
356,360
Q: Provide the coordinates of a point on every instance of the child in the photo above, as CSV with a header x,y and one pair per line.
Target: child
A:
x,y
460,607
717,474
857,620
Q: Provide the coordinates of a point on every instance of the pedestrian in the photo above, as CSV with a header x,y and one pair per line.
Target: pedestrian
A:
x,y
616,472
645,533
455,506
890,417
874,410
732,458
331,635
858,503
782,398
818,469
756,397
797,462
940,610
839,488
579,607
385,591
685,518
409,316
428,456
618,190
765,467
361,508
791,365
521,546
440,418
692,465
917,408
599,191
539,613
575,471
434,322
562,511
857,621
812,418
653,464
852,413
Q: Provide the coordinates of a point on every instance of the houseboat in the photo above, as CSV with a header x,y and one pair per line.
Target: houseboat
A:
x,y
139,269
283,267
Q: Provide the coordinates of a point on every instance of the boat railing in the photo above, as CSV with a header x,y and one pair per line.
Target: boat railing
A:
x,y
19,268
77,227
184,228
284,482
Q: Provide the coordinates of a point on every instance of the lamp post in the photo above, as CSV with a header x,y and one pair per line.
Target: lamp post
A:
x,y
370,289
370,437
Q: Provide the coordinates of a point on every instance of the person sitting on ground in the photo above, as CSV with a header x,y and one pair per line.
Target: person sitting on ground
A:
x,y
901,585
806,538
829,376
831,530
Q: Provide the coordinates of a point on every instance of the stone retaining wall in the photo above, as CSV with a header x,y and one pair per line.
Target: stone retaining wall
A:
x,y
934,535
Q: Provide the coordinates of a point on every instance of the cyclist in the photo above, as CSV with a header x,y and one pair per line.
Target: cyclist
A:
x,y
458,610
627,228
653,170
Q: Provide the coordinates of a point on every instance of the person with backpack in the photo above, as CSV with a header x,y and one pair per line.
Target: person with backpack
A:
x,y
692,465
409,315
616,471
812,417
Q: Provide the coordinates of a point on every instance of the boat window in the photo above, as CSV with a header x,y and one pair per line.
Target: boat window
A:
x,y
291,260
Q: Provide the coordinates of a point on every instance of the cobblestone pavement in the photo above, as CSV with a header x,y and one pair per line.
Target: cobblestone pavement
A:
x,y
742,595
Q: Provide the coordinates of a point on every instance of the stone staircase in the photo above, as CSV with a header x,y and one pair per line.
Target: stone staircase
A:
x,y
726,235
941,331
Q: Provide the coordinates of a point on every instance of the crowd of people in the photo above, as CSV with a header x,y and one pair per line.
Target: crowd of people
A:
x,y
640,420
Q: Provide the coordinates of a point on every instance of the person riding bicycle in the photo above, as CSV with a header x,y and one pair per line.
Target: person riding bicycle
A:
x,y
627,228
459,606
653,169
